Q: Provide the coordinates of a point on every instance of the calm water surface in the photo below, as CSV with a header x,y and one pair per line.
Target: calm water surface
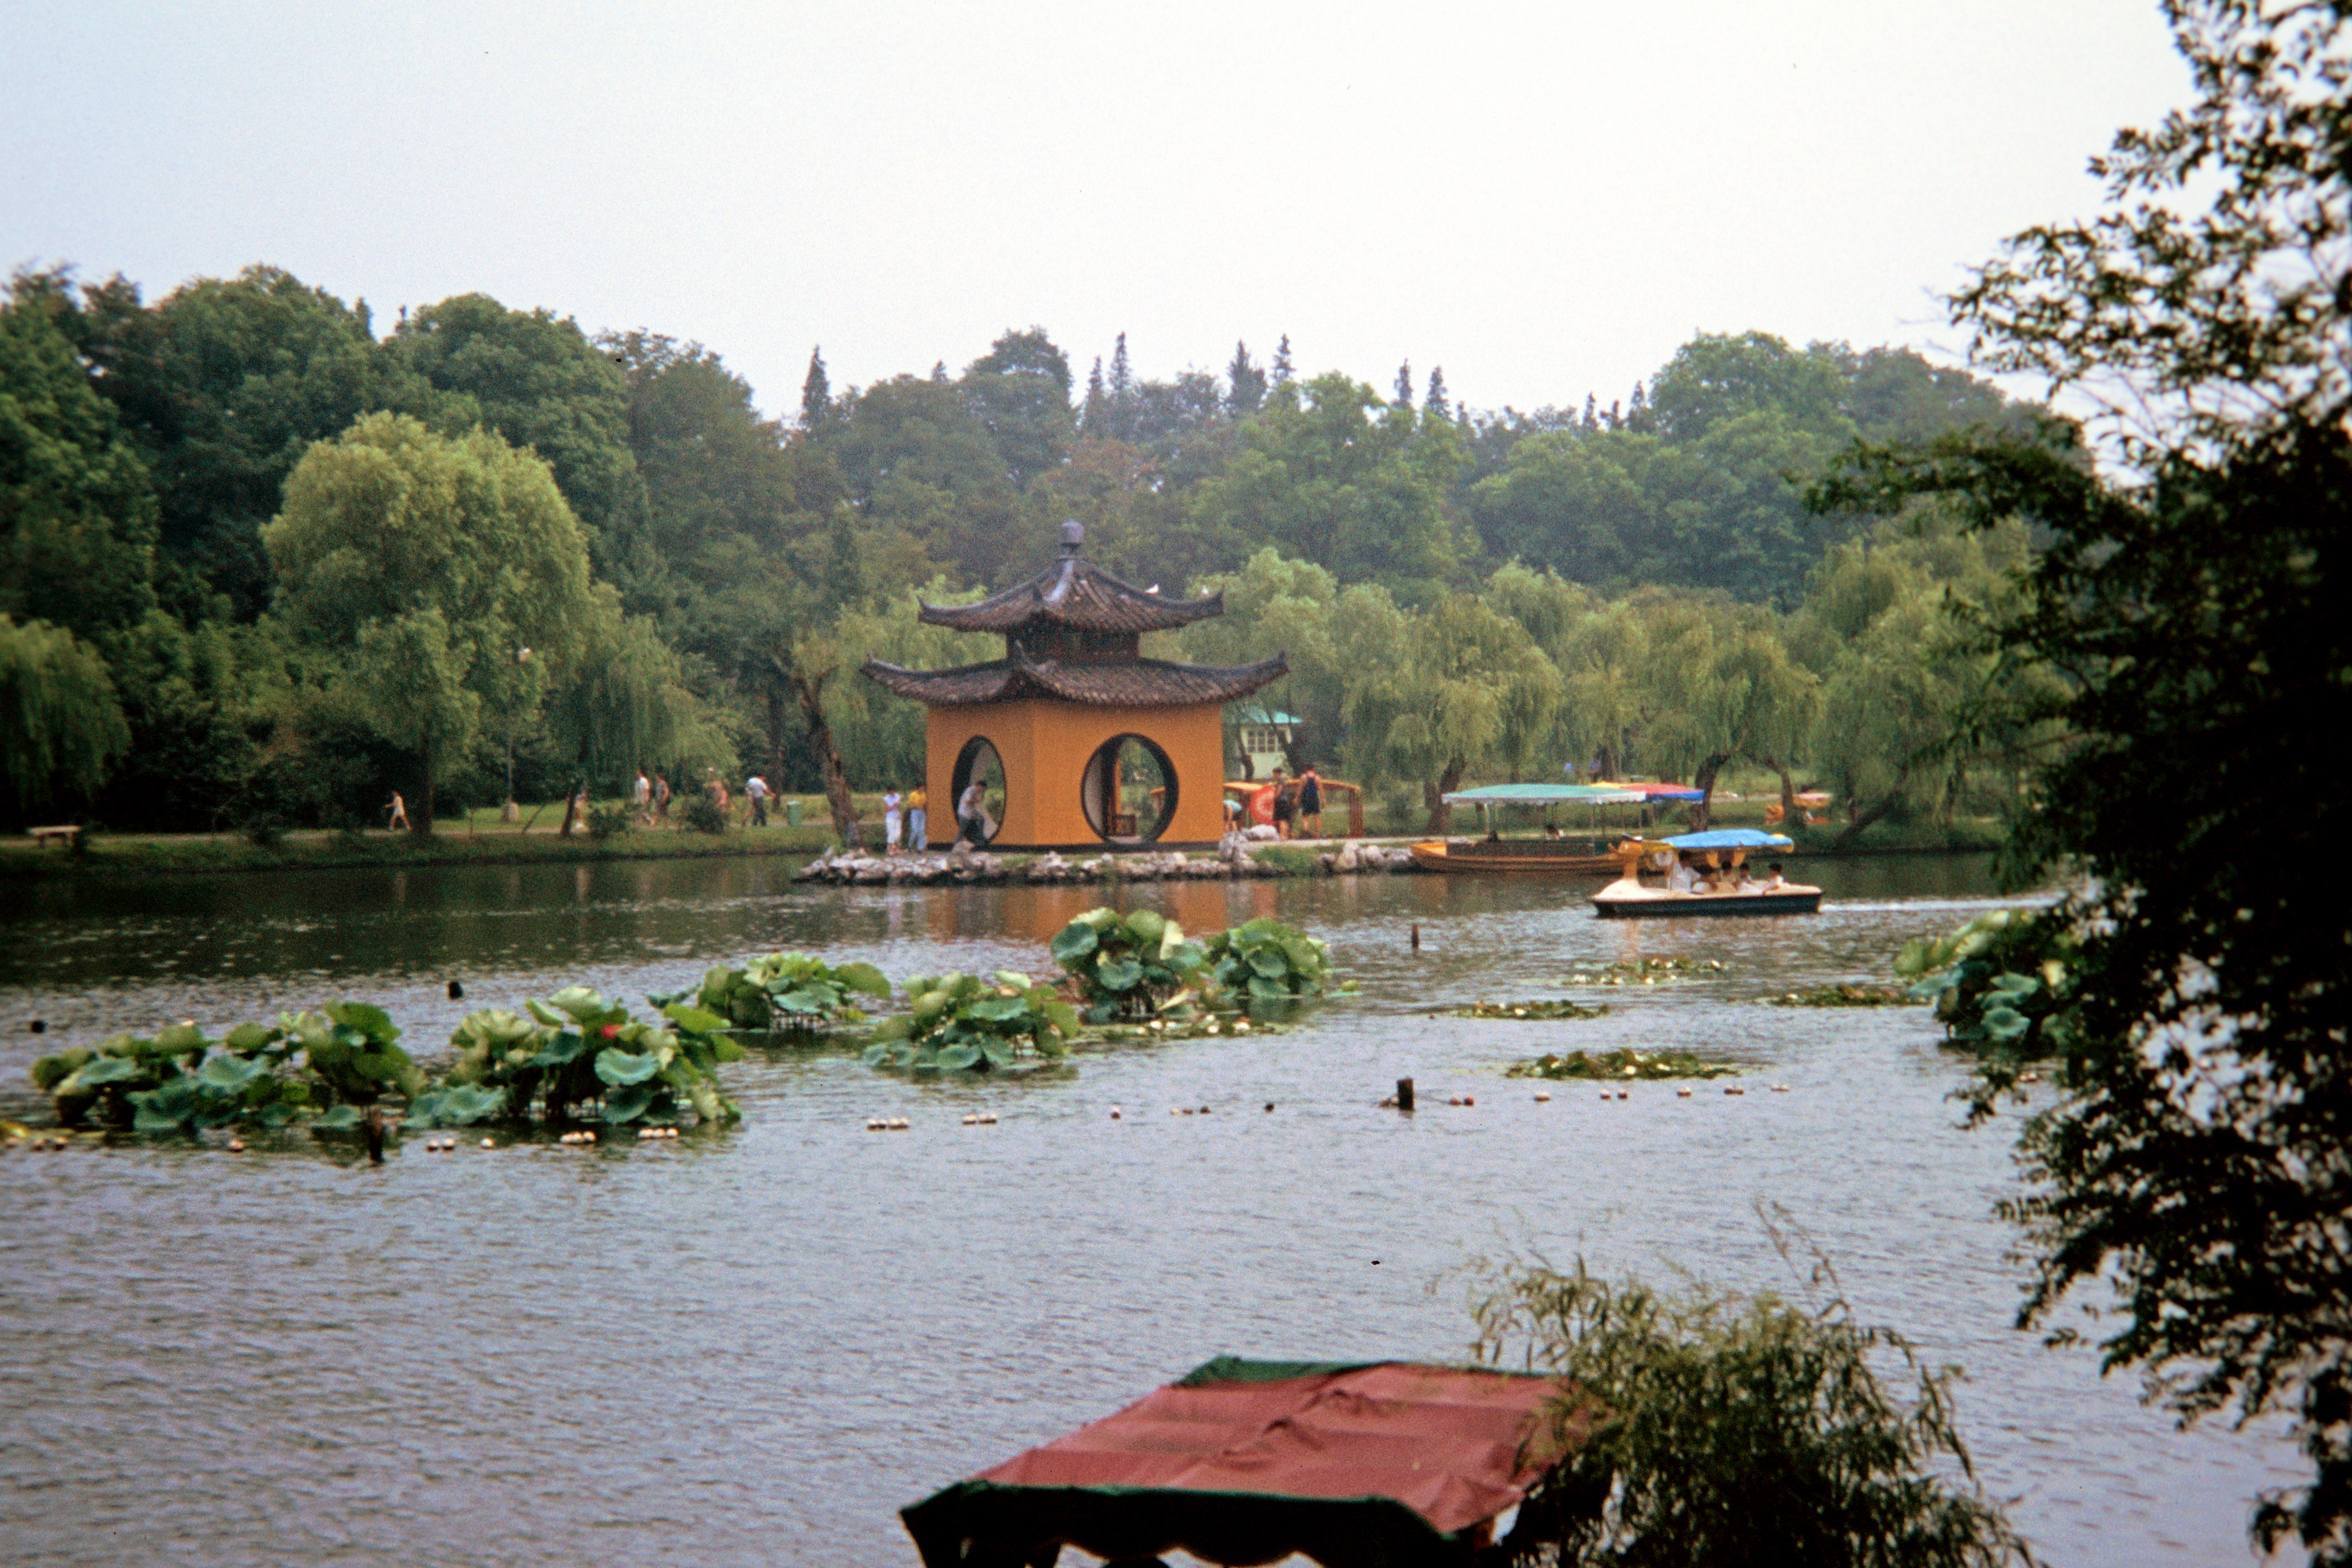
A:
x,y
754,1346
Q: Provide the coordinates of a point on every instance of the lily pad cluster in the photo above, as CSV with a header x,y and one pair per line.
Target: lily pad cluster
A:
x,y
1846,996
1618,1066
1264,960
1645,972
959,1022
575,1054
577,1050
1998,982
786,992
1132,966
316,1065
1553,1009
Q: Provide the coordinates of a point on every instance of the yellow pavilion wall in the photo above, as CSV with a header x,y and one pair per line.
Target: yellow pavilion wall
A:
x,y
1044,746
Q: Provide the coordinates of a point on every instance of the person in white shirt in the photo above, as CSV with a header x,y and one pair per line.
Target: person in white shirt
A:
x,y
757,788
890,801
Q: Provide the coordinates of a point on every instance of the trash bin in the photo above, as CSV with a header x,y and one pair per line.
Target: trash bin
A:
x,y
792,814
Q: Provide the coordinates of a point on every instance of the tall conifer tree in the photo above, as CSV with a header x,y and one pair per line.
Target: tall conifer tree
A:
x,y
816,391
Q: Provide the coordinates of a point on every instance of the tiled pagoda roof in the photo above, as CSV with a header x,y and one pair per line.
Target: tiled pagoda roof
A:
x,y
1076,592
1130,683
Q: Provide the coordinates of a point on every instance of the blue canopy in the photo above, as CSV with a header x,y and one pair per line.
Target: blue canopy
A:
x,y
1732,838
1543,794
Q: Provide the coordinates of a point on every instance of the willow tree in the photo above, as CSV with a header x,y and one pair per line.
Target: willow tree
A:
x,y
60,726
1723,686
1439,693
430,563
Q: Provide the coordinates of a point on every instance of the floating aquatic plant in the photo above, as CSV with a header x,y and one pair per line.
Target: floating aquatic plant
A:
x,y
1531,1011
1264,960
788,993
1846,996
1616,1066
1645,972
576,1048
1998,983
967,1023
1130,966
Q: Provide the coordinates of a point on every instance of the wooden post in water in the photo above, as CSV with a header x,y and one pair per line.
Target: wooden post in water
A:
x,y
1404,1094
1416,936
374,1129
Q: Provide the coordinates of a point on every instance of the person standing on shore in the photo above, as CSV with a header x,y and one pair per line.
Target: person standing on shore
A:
x,y
918,825
642,792
661,798
1310,803
972,813
1286,804
399,813
757,788
890,803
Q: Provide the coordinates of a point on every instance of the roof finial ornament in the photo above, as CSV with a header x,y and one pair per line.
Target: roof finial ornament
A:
x,y
1073,537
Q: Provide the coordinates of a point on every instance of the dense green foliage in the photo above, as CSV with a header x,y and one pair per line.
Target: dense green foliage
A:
x,y
576,1049
1263,962
1998,985
1707,1430
246,506
326,1067
2193,1164
788,993
972,1023
1137,966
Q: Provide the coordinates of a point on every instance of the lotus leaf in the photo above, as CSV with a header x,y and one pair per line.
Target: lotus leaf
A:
x,y
629,1102
1074,941
1118,974
957,1056
369,1021
102,1070
693,1019
618,1067
232,1074
581,1003
336,1118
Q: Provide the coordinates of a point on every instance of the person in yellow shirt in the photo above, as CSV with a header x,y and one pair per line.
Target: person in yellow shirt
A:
x,y
916,826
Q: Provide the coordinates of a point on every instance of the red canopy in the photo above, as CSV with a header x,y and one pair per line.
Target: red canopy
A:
x,y
1245,1462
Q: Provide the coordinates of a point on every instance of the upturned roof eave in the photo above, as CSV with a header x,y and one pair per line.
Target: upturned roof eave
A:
x,y
1045,596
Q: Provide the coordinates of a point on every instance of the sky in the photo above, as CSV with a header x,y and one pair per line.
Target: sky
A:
x,y
1545,199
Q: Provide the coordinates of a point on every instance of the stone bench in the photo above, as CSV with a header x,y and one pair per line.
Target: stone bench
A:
x,y
63,833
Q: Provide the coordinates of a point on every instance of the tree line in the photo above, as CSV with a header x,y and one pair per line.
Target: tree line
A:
x,y
263,564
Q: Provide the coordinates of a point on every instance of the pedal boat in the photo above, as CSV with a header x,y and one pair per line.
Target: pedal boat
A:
x,y
1629,898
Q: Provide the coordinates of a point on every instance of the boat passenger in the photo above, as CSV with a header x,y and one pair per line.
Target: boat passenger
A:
x,y
1776,882
1680,877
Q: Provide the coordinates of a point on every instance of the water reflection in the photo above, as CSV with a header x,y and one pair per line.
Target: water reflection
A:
x,y
777,1335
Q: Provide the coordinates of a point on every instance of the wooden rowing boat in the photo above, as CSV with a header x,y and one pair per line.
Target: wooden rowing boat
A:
x,y
1516,856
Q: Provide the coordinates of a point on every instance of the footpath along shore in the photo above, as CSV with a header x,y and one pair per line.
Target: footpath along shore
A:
x,y
486,841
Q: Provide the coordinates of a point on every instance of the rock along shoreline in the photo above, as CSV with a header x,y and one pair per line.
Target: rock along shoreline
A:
x,y
1234,862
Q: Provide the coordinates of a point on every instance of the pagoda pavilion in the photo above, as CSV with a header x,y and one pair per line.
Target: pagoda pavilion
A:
x,y
1076,740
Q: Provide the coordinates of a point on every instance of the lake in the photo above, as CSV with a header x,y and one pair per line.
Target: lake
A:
x,y
753,1346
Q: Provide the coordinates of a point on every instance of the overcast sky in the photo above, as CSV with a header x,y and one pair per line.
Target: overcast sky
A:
x,y
1544,198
